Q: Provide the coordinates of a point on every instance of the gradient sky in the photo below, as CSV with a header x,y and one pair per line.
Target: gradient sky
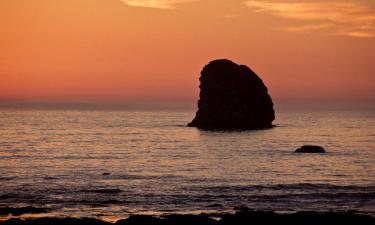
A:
x,y
136,50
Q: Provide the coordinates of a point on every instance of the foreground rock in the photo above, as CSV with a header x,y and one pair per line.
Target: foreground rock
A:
x,y
240,218
168,220
232,97
310,149
19,211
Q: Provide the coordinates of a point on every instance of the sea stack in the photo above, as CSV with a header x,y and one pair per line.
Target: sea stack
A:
x,y
232,97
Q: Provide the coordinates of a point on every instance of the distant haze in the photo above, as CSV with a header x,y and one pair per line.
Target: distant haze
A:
x,y
122,51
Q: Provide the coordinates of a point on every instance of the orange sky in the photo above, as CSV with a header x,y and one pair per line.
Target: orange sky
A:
x,y
131,50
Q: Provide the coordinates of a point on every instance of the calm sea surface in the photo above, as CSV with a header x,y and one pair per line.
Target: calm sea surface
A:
x,y
103,163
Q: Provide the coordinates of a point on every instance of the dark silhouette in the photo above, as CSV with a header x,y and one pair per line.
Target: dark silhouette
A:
x,y
232,96
310,149
243,217
19,211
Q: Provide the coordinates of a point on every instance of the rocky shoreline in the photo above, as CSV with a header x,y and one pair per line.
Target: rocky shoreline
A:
x,y
241,217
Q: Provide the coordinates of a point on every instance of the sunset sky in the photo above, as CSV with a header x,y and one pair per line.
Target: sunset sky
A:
x,y
154,50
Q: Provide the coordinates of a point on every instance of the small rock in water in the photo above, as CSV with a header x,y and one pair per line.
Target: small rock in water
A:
x,y
310,149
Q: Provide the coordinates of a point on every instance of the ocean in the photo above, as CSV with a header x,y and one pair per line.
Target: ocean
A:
x,y
113,163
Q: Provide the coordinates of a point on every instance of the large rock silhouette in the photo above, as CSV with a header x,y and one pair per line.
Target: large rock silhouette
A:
x,y
232,96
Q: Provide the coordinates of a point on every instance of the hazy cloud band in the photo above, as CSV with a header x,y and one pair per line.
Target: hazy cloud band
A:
x,y
160,4
349,18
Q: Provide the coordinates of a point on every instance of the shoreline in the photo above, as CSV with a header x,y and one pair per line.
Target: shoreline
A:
x,y
242,216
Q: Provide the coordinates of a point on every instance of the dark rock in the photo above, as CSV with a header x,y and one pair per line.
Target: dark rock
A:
x,y
167,220
250,217
232,96
56,221
243,217
21,210
140,220
310,149
298,218
188,220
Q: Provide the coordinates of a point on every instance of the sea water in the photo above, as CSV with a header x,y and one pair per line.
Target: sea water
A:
x,y
103,163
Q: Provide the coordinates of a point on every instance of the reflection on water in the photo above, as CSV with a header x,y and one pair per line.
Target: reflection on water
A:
x,y
112,163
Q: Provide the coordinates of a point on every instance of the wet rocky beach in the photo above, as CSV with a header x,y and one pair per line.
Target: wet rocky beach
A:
x,y
241,217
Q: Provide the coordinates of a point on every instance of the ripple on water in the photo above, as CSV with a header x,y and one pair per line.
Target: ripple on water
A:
x,y
59,158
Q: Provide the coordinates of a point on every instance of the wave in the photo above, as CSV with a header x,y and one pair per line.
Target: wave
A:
x,y
288,197
7,178
103,191
297,186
